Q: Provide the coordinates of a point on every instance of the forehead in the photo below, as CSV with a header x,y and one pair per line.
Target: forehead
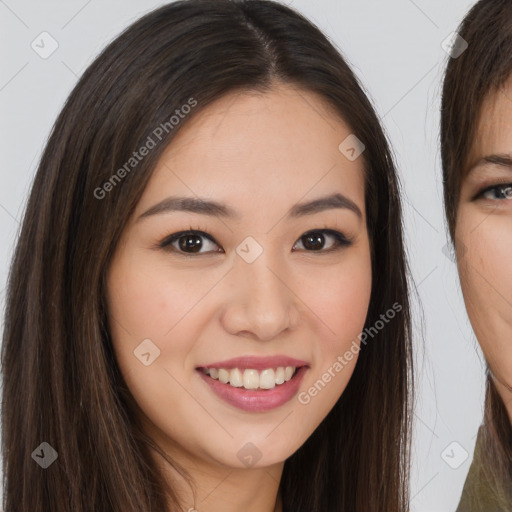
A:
x,y
284,141
494,128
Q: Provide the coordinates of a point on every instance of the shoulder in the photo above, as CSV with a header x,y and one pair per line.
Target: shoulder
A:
x,y
481,492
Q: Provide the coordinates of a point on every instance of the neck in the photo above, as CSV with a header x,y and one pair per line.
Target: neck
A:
x,y
217,487
224,489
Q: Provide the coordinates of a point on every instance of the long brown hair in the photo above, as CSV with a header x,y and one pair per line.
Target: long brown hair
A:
x,y
62,384
477,73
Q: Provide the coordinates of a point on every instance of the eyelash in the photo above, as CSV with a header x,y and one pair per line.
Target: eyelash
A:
x,y
496,187
340,241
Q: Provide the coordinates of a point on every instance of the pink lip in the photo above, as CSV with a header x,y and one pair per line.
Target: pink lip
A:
x,y
256,400
256,362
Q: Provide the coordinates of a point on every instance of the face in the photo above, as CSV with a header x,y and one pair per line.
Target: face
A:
x,y
226,305
484,237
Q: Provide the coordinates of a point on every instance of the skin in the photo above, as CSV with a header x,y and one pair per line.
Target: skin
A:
x,y
276,149
484,238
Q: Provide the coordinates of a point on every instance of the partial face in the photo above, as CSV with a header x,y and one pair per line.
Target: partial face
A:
x,y
244,304
484,233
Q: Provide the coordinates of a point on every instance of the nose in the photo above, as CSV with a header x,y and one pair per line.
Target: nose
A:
x,y
260,302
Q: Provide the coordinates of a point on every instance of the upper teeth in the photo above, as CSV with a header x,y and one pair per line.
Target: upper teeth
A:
x,y
252,379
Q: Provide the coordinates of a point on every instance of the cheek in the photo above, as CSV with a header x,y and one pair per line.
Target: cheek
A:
x,y
150,314
151,302
485,263
152,335
341,301
485,268
341,298
343,308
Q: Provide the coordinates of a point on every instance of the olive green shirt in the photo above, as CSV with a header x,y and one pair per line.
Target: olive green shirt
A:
x,y
480,494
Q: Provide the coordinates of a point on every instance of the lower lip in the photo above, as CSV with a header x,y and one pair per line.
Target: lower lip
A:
x,y
256,400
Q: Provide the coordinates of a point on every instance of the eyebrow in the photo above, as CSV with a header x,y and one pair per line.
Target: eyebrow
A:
x,y
499,160
216,209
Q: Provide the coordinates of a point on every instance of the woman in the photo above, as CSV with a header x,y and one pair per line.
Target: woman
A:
x,y
208,304
476,146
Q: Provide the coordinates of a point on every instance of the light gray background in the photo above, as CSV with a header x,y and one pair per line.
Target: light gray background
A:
x,y
395,48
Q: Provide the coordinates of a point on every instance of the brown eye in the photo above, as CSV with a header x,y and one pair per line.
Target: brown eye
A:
x,y
190,242
316,240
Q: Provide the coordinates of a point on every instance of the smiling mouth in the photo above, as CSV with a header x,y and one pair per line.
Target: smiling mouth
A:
x,y
251,378
255,384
